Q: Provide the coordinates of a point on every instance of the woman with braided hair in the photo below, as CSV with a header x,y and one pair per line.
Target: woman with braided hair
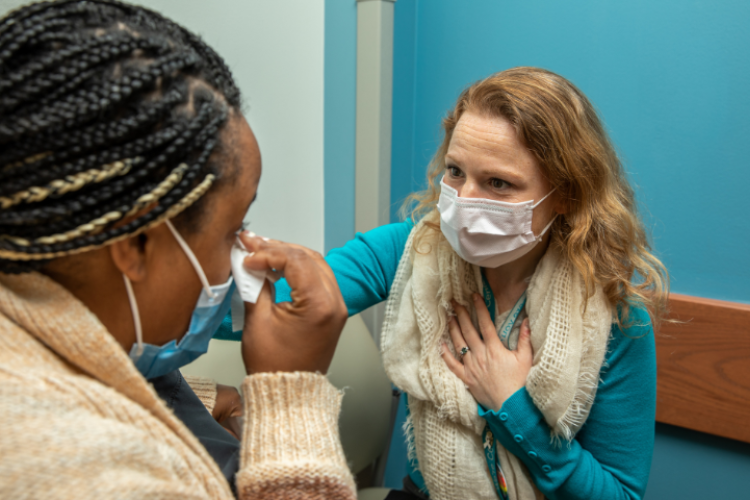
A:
x,y
126,169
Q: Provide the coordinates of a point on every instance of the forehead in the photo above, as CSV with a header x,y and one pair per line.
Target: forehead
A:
x,y
488,140
241,151
482,134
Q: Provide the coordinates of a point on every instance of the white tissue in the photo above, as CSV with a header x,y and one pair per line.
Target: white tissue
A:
x,y
238,312
249,283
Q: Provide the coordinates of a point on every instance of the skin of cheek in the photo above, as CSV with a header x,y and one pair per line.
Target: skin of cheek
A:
x,y
174,285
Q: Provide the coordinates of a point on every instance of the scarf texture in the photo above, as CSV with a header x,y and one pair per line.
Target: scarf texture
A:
x,y
445,430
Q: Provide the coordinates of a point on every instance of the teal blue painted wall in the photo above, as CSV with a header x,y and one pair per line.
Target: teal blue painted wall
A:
x,y
404,177
340,118
671,80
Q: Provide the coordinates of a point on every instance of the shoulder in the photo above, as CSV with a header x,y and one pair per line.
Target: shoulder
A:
x,y
632,344
394,234
87,426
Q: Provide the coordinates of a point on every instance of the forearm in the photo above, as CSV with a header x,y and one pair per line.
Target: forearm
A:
x,y
562,471
290,444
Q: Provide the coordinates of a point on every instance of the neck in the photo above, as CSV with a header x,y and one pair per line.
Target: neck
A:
x,y
509,281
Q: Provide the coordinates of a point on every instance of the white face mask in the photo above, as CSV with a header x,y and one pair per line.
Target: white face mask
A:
x,y
487,233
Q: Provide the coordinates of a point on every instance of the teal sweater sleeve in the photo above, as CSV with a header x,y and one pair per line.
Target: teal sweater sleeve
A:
x,y
611,455
364,267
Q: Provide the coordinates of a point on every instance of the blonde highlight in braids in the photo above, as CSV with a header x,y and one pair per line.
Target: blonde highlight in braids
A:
x,y
601,233
194,195
71,183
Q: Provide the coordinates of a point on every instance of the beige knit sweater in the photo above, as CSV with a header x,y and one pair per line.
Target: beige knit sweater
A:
x,y
78,421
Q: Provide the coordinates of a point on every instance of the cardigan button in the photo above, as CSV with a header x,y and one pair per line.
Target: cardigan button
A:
x,y
518,438
546,468
532,454
503,416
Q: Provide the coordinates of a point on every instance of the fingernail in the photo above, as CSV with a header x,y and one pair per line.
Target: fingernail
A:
x,y
264,238
476,297
250,234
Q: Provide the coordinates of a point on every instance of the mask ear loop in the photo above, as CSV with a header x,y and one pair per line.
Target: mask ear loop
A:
x,y
539,237
540,201
193,260
545,228
136,315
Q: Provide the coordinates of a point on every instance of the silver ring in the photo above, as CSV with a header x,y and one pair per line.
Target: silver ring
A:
x,y
464,350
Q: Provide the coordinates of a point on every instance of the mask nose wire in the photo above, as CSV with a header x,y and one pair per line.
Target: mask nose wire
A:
x,y
193,260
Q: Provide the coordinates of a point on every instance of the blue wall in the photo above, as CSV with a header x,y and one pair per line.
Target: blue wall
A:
x,y
340,102
671,80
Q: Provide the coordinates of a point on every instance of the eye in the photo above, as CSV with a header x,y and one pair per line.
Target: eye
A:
x,y
498,183
454,171
244,227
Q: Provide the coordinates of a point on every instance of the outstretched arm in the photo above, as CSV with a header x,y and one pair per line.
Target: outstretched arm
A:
x,y
364,267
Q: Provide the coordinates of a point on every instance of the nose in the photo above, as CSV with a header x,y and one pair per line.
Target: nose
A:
x,y
469,189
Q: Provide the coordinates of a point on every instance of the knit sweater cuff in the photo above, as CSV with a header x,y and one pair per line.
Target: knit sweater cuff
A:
x,y
204,388
291,424
291,417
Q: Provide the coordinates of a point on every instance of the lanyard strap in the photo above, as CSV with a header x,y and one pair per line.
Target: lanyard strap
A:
x,y
488,440
507,326
489,297
493,463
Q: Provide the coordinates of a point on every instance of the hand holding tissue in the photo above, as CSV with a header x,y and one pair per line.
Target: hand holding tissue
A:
x,y
296,335
249,282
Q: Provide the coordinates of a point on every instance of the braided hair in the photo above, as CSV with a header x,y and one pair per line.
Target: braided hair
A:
x,y
106,109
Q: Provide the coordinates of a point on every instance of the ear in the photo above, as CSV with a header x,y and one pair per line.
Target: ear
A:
x,y
129,256
561,206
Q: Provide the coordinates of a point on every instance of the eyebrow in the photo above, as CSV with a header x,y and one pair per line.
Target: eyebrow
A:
x,y
507,172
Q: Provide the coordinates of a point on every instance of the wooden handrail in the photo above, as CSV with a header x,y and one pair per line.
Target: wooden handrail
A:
x,y
703,367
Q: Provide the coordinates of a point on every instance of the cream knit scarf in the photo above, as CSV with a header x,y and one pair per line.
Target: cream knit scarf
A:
x,y
569,347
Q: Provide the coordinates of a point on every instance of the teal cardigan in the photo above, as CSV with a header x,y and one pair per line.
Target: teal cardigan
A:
x,y
610,457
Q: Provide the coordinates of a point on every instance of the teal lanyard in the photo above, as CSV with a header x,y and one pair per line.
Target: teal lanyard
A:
x,y
493,463
510,321
488,440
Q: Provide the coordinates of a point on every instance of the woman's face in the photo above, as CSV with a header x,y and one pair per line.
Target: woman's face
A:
x,y
168,294
486,160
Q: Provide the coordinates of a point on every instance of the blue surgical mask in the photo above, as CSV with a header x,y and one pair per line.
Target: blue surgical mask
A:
x,y
213,304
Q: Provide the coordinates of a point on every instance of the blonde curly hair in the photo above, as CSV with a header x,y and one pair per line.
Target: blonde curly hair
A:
x,y
601,232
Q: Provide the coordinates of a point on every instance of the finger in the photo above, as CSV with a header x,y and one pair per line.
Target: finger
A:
x,y
486,325
525,351
467,328
257,245
453,364
456,337
301,272
254,243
